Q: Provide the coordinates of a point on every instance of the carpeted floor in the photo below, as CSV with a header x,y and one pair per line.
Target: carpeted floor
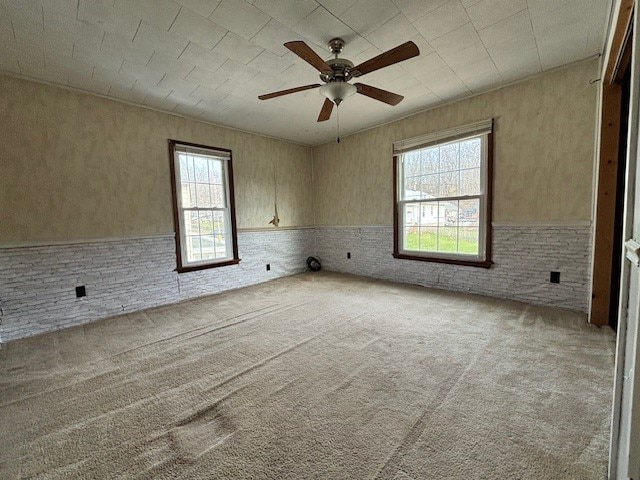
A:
x,y
313,376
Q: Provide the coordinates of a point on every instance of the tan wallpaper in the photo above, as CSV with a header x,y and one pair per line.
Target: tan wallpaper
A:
x,y
76,166
544,142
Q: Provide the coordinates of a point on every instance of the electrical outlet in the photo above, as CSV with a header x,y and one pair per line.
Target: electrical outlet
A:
x,y
348,254
554,277
268,267
81,291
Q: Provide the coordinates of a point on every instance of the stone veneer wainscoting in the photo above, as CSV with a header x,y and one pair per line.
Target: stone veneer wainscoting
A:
x,y
37,290
523,256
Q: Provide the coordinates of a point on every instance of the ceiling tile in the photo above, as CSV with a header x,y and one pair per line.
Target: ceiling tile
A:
x,y
273,36
320,27
456,40
209,94
150,37
367,15
177,85
97,58
487,12
237,71
198,29
169,65
271,63
240,17
396,31
202,76
202,57
201,7
160,103
426,63
462,59
236,47
414,9
287,12
443,20
141,73
116,45
337,7
159,13
102,14
506,29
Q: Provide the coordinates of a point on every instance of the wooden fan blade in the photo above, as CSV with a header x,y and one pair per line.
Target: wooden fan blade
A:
x,y
267,96
400,53
325,113
379,94
305,52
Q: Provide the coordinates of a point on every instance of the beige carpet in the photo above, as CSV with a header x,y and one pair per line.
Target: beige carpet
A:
x,y
313,376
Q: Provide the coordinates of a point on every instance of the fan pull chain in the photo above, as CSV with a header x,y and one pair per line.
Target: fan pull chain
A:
x,y
338,118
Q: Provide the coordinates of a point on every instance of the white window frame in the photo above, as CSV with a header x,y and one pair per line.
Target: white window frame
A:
x,y
225,156
482,130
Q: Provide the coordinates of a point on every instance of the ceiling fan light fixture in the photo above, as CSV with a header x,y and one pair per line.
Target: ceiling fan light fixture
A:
x,y
337,91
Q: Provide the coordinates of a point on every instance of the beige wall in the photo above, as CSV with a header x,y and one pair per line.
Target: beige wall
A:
x,y
76,166
544,140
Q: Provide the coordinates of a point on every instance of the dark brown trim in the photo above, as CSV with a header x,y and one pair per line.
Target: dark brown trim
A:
x,y
453,261
488,239
486,263
176,212
396,245
621,37
195,268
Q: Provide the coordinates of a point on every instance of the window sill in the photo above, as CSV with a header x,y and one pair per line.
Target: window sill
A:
x,y
206,266
452,261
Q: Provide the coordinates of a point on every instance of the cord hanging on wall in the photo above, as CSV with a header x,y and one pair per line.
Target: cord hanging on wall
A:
x,y
275,221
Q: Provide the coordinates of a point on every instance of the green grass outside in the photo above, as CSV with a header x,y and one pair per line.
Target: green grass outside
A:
x,y
446,242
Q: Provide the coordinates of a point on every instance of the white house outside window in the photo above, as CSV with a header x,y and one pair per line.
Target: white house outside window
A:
x,y
443,196
203,204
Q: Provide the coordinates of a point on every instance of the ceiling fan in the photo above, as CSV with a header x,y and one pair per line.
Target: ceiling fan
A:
x,y
337,72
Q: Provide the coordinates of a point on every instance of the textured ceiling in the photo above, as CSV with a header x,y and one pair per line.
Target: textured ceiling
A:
x,y
210,59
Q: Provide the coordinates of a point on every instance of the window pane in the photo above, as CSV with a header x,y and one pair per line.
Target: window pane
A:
x,y
411,214
412,188
411,238
221,243
429,214
449,157
201,169
191,223
206,222
188,191
470,212
203,195
470,181
429,160
208,247
194,253
184,171
468,242
470,153
190,172
219,223
448,184
448,228
429,185
215,172
411,164
428,238
218,199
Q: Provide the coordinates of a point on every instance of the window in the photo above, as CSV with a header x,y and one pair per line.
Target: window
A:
x,y
447,177
204,213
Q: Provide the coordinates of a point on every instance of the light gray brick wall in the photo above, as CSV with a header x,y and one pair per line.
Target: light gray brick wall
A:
x,y
37,284
524,256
